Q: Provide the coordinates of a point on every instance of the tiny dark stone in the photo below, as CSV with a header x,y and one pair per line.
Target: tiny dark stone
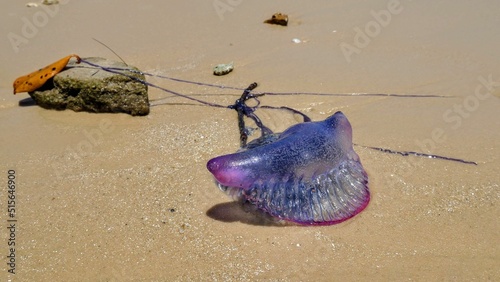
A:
x,y
81,87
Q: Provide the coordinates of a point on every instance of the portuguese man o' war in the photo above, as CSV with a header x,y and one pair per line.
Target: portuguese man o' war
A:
x,y
309,174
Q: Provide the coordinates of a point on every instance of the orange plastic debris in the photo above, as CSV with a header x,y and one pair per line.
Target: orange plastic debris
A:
x,y
35,80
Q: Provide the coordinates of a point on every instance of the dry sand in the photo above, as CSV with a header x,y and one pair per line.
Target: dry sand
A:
x,y
133,200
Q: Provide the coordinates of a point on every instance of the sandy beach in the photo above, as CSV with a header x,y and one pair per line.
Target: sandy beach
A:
x,y
111,197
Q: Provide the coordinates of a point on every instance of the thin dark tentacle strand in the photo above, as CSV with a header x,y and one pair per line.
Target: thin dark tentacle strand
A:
x,y
196,83
286,93
153,85
107,47
304,116
244,110
357,94
418,154
264,129
241,127
177,79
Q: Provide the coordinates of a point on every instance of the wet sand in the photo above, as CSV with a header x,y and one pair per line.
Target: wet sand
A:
x,y
133,200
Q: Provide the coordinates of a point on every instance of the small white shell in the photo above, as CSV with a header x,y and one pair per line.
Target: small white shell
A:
x,y
31,4
296,40
222,69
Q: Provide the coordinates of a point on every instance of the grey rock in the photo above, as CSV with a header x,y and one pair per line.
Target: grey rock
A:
x,y
81,87
223,69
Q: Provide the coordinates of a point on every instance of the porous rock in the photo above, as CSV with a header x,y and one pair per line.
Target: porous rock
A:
x,y
81,87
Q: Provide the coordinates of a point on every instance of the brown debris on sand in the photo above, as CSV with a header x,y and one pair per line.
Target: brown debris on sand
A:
x,y
279,19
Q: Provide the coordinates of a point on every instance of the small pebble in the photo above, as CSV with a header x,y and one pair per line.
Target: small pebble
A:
x,y
223,69
296,40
